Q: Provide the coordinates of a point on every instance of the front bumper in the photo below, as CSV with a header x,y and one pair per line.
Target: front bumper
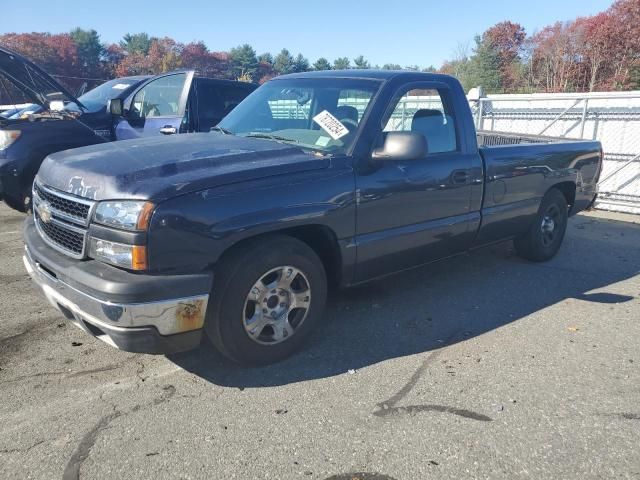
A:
x,y
141,323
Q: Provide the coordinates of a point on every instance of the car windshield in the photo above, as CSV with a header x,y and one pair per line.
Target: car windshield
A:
x,y
98,97
321,114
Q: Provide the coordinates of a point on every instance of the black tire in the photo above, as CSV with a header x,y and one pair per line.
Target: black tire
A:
x,y
544,238
236,276
20,204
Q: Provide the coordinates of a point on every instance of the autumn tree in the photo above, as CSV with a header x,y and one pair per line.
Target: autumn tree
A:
x,y
506,40
626,34
553,58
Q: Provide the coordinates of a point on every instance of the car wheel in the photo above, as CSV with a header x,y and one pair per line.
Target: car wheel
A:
x,y
268,294
543,239
20,204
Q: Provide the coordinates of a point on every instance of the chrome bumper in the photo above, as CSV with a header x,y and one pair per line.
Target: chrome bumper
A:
x,y
111,321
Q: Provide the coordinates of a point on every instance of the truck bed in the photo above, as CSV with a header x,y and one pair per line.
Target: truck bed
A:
x,y
520,169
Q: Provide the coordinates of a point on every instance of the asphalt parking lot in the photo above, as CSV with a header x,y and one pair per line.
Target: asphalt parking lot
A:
x,y
482,366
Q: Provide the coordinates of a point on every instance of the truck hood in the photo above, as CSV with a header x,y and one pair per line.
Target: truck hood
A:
x,y
31,80
158,168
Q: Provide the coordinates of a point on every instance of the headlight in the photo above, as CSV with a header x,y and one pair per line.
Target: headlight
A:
x,y
133,257
126,214
7,137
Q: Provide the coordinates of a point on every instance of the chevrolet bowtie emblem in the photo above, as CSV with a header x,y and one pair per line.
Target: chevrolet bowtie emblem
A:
x,y
44,211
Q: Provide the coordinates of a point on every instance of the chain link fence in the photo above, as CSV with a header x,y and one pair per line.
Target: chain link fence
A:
x,y
612,118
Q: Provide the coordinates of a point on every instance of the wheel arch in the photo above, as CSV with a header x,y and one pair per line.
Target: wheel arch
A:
x,y
568,190
320,238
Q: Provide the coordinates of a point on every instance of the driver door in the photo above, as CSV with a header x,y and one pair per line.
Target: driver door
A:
x,y
416,211
159,107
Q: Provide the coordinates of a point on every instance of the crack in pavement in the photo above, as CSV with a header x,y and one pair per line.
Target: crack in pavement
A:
x,y
72,470
66,373
82,451
21,450
388,408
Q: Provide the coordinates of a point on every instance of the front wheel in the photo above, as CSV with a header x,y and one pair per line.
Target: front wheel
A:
x,y
268,295
543,239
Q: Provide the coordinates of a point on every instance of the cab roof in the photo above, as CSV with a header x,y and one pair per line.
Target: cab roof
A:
x,y
369,74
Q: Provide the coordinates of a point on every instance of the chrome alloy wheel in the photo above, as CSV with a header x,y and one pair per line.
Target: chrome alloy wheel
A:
x,y
277,305
550,221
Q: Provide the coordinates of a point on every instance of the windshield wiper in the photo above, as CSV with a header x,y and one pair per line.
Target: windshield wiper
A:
x,y
269,136
221,130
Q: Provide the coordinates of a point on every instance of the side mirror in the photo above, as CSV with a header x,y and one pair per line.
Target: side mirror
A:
x,y
115,107
402,146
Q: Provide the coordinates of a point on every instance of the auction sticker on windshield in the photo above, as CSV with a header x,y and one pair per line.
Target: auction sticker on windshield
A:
x,y
331,125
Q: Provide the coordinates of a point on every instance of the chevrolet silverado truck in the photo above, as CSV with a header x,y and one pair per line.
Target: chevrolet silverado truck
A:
x,y
124,108
315,179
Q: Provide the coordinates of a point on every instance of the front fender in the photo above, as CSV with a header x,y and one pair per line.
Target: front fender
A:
x,y
190,232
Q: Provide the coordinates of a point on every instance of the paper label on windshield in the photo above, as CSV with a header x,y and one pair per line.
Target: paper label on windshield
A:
x,y
331,125
323,141
120,86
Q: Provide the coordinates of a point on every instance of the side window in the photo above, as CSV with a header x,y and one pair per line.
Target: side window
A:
x,y
231,97
159,98
215,101
210,105
427,112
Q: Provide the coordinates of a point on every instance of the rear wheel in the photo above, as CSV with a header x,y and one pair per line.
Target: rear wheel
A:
x,y
268,295
543,239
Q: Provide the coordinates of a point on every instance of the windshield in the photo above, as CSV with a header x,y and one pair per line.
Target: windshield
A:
x,y
321,114
98,97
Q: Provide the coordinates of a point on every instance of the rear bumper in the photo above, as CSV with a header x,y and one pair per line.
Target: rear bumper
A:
x,y
137,324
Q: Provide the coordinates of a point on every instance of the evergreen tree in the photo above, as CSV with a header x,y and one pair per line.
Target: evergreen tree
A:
x,y
484,68
266,58
341,63
284,62
244,62
322,64
300,64
136,43
361,63
90,50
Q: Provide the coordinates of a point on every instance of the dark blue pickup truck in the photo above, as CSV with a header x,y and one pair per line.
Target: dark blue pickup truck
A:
x,y
174,102
319,178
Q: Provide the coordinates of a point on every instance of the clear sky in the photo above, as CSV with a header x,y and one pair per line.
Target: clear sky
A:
x,y
408,32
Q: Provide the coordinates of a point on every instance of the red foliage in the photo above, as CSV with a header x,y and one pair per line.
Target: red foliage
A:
x,y
56,54
507,39
598,52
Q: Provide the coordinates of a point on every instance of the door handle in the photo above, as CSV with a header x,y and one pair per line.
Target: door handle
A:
x,y
168,130
460,177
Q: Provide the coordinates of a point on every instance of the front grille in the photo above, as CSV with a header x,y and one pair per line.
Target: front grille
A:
x,y
78,210
62,219
66,239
